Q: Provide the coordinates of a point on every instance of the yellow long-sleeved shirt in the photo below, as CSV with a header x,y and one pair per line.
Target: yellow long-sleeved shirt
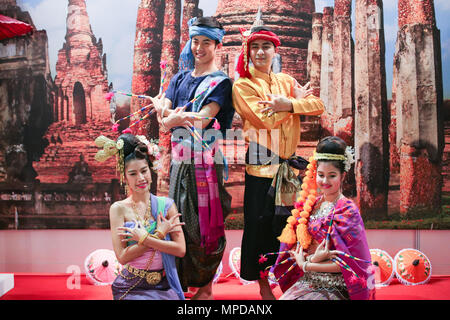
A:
x,y
246,95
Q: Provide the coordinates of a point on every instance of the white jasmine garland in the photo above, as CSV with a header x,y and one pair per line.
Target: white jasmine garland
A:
x,y
350,158
143,139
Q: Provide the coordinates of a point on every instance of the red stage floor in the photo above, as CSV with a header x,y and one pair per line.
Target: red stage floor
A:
x,y
54,287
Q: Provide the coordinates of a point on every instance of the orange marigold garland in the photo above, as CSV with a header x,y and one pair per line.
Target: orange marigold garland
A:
x,y
303,207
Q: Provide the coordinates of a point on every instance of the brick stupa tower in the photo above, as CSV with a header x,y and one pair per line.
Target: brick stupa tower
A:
x,y
81,112
81,74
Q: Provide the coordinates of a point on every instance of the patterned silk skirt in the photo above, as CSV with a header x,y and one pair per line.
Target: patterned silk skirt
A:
x,y
196,268
128,287
318,286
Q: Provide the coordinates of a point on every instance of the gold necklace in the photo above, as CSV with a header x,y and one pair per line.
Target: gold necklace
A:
x,y
146,219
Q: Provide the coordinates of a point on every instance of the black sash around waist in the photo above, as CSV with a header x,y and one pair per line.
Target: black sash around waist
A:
x,y
260,155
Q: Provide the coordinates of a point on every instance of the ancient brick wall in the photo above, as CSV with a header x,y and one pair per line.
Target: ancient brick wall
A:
x,y
26,98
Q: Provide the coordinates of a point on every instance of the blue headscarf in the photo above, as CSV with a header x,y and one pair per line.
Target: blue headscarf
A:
x,y
186,61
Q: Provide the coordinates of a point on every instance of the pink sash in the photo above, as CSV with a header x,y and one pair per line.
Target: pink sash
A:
x,y
210,214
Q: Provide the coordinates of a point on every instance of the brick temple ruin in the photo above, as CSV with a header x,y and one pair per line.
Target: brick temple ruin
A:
x,y
50,178
400,147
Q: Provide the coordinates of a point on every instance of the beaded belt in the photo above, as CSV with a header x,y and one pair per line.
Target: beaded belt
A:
x,y
325,280
152,277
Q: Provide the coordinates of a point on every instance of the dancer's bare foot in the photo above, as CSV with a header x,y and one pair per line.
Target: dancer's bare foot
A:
x,y
204,293
264,290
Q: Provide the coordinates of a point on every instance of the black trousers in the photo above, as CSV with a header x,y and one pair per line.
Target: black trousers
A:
x,y
261,228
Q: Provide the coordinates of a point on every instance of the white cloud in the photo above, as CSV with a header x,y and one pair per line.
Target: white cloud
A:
x,y
442,5
390,5
49,15
390,32
320,4
445,47
208,7
115,23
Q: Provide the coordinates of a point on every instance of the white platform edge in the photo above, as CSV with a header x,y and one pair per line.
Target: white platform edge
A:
x,y
6,282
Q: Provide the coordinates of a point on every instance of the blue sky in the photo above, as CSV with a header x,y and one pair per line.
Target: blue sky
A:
x,y
115,21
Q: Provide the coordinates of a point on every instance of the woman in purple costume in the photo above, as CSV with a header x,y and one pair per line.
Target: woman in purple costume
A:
x,y
146,231
317,275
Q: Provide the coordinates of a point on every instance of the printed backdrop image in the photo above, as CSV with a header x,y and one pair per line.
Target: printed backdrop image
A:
x,y
53,83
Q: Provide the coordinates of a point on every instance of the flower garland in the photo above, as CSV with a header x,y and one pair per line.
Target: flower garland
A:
x,y
302,210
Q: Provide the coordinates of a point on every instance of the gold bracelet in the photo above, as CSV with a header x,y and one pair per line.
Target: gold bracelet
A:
x,y
154,236
161,235
142,239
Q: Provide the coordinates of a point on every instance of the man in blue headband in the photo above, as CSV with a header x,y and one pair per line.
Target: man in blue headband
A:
x,y
198,188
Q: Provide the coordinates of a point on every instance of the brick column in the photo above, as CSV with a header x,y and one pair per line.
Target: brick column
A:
x,y
326,73
147,49
315,52
371,116
190,10
343,71
326,76
418,105
147,56
170,53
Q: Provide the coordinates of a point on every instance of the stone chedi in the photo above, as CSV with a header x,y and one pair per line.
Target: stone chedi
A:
x,y
418,107
26,98
290,20
81,112
81,75
371,114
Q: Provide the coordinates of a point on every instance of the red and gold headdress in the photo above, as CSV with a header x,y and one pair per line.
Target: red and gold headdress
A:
x,y
247,37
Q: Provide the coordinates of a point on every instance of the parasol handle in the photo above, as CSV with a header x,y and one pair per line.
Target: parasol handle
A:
x,y
416,262
105,263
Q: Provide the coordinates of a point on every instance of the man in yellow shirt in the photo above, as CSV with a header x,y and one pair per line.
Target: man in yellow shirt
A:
x,y
270,106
